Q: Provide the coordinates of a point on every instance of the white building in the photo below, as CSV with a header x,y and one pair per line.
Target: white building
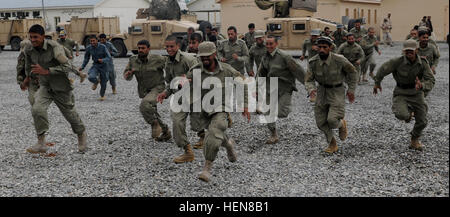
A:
x,y
62,10
207,10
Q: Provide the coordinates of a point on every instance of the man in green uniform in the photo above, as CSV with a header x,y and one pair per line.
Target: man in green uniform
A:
x,y
340,35
277,63
234,51
368,44
31,81
358,31
309,45
330,71
353,52
69,44
413,34
47,60
256,52
428,51
215,116
177,65
408,99
149,72
249,37
431,39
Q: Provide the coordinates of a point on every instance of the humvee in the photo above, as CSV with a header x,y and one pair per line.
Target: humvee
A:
x,y
12,32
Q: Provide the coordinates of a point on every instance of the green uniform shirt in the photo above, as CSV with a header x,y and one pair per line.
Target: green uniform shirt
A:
x,y
307,48
405,73
256,53
249,39
53,58
339,37
353,52
149,72
69,44
223,70
335,70
358,33
368,44
227,49
177,67
431,53
282,65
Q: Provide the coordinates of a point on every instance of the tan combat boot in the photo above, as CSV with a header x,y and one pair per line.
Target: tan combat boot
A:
x,y
273,139
188,155
231,154
82,77
102,98
114,90
332,147
230,121
199,144
156,129
205,175
94,86
416,145
82,142
40,147
343,133
165,136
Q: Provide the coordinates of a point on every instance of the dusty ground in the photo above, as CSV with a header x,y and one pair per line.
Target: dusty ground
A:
x,y
123,160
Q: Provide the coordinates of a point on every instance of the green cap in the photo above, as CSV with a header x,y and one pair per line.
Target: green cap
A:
x,y
259,34
206,48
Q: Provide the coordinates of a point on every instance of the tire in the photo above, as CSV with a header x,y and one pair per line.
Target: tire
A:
x,y
120,46
15,44
86,42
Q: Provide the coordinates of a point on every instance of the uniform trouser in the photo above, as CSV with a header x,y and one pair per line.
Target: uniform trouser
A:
x,y
112,74
368,62
329,110
284,108
400,104
99,70
179,126
65,101
387,38
32,89
148,107
358,69
215,135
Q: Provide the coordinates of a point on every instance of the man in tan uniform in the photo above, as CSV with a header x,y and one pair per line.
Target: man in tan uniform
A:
x,y
149,72
47,60
330,71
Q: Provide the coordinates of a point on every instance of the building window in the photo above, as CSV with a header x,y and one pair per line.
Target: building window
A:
x,y
2,14
375,17
369,16
57,20
362,12
7,14
355,16
14,14
27,14
36,14
346,12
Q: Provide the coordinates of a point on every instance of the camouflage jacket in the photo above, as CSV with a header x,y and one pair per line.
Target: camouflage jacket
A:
x,y
256,53
69,44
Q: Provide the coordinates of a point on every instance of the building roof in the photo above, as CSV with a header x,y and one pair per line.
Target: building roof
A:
x,y
23,4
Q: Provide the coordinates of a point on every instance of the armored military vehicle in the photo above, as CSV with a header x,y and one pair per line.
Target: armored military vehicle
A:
x,y
12,32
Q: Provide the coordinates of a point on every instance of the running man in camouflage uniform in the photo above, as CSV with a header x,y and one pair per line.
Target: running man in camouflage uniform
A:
x,y
368,44
353,52
234,51
358,31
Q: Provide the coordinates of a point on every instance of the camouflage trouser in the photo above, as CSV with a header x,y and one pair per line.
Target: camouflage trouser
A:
x,y
284,107
329,109
368,62
403,105
149,109
179,126
215,135
65,101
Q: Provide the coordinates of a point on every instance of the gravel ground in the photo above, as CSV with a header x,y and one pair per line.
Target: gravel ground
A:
x,y
123,160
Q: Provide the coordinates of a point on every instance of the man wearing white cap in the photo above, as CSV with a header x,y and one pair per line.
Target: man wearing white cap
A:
x,y
413,77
